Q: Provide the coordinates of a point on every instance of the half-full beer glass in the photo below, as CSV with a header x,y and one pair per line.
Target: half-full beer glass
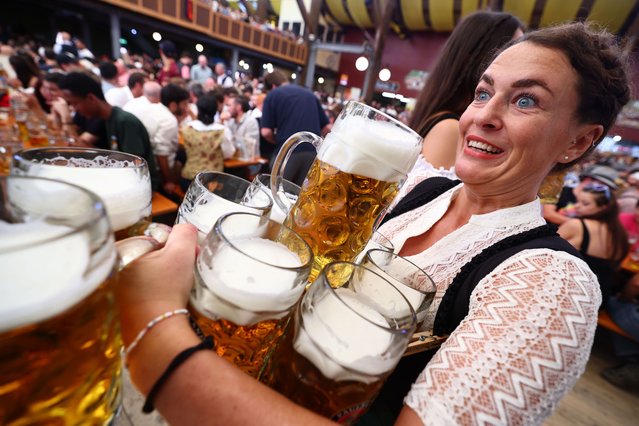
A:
x,y
343,343
213,194
59,335
358,170
248,276
121,180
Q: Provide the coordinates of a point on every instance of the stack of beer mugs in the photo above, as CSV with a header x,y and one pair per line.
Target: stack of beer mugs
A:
x,y
212,194
344,342
121,180
357,173
59,337
249,274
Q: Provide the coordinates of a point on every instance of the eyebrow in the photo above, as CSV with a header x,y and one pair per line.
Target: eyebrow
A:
x,y
526,82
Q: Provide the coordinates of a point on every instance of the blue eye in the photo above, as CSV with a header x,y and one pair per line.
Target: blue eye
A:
x,y
526,101
482,96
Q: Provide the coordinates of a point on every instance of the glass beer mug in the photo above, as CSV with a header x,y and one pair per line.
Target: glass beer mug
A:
x,y
59,334
359,169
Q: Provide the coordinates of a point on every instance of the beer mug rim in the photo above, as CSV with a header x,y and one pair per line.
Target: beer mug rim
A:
x,y
430,281
98,212
383,114
218,231
325,282
29,156
198,182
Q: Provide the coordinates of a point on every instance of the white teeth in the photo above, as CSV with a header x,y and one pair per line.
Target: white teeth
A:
x,y
484,146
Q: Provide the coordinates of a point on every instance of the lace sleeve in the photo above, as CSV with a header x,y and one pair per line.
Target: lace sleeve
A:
x,y
522,346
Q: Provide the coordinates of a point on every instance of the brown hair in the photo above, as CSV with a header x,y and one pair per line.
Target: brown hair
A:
x,y
277,78
601,67
618,241
451,84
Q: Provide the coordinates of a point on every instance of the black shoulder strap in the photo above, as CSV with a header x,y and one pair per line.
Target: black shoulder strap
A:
x,y
424,192
585,239
454,305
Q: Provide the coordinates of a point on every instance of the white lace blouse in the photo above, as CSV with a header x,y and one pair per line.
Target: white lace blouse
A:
x,y
529,330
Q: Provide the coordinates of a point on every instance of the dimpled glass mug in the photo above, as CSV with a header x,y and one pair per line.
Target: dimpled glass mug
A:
x,y
360,166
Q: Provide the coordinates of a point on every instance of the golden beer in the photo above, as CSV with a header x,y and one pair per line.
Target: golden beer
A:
x,y
336,212
343,344
59,332
246,347
63,370
249,274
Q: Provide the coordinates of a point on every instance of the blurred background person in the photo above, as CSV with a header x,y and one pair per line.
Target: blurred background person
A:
x,y
204,141
201,71
598,234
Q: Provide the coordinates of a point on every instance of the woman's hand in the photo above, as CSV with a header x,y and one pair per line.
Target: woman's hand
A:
x,y
61,111
157,282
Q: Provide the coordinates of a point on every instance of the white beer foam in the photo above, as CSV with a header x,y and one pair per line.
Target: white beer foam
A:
x,y
125,192
244,290
375,149
351,343
277,214
43,271
207,210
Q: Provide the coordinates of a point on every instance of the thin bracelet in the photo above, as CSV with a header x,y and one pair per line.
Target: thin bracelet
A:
x,y
177,361
149,326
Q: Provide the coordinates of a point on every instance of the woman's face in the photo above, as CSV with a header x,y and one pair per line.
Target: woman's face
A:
x,y
50,91
521,122
586,205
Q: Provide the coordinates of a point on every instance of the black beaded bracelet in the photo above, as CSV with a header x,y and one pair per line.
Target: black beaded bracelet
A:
x,y
177,361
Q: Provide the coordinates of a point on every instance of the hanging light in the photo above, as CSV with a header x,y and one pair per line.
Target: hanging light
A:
x,y
361,63
293,76
199,47
384,74
157,36
320,80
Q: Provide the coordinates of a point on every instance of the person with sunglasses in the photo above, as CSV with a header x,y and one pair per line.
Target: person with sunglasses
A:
x,y
598,234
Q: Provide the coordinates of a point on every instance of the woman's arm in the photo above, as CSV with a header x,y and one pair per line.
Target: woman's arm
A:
x,y
205,389
552,215
522,346
440,144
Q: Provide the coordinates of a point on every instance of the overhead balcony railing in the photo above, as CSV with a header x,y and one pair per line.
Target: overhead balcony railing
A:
x,y
198,15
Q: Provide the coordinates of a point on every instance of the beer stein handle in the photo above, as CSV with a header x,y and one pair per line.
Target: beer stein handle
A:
x,y
154,238
282,158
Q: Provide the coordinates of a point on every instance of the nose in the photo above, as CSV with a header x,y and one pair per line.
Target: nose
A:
x,y
489,114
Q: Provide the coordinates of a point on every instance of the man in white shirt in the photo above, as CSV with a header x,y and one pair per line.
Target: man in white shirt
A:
x,y
243,129
201,71
113,93
221,77
162,127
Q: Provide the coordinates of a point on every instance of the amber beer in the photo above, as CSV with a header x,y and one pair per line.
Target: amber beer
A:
x,y
121,180
359,168
250,273
342,346
59,334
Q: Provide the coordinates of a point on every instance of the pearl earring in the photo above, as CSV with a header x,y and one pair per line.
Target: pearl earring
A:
x,y
565,157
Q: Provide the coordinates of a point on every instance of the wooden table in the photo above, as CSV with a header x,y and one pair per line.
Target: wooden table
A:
x,y
242,167
161,205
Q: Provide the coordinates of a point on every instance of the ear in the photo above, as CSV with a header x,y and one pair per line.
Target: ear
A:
x,y
586,136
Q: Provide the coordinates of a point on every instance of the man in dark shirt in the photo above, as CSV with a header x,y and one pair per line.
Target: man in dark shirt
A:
x,y
289,109
124,131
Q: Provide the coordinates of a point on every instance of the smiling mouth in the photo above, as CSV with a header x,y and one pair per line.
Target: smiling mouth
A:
x,y
484,147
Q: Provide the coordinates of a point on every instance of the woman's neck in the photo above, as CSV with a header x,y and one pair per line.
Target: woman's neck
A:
x,y
481,202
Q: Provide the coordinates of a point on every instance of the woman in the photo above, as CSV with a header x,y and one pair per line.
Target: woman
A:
x,y
28,76
543,102
204,141
598,234
451,85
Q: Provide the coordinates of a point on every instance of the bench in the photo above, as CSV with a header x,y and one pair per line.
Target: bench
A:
x,y
606,322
